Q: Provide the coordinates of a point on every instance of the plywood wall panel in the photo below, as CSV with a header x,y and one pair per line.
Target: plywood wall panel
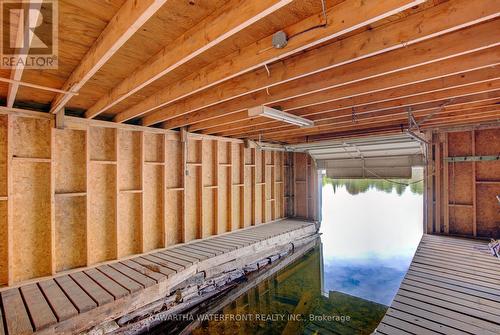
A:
x,y
102,239
71,239
173,159
153,147
488,213
460,220
223,201
153,207
193,202
102,143
70,161
3,244
129,224
32,218
3,203
31,137
129,164
173,217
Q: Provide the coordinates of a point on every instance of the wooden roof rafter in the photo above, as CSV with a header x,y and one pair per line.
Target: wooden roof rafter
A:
x,y
213,30
342,18
259,88
17,73
129,18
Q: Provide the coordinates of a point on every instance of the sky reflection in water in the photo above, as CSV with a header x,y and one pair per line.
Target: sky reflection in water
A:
x,y
369,240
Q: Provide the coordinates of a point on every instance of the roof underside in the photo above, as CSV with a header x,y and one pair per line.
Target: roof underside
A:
x,y
356,68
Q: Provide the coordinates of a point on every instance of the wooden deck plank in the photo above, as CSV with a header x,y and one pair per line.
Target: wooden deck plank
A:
x,y
142,279
153,266
451,287
174,259
154,275
224,243
210,248
163,262
80,299
39,310
201,255
390,330
203,249
416,319
96,292
182,255
17,320
469,328
111,286
60,303
129,284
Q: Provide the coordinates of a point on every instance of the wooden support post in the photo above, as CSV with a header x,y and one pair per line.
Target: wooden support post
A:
x,y
263,185
474,185
294,186
215,156
308,171
273,186
10,201
199,227
229,187
60,119
87,198
243,187
52,201
283,195
141,176
429,170
254,186
164,191
183,140
117,197
438,174
446,201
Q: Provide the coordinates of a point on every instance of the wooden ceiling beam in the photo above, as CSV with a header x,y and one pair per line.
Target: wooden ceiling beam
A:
x,y
225,22
458,43
17,72
383,112
129,18
395,116
341,19
331,110
237,123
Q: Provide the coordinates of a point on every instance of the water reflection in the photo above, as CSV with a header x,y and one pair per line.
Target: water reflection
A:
x,y
370,231
292,301
342,285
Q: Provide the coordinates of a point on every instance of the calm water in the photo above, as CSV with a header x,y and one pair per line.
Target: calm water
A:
x,y
343,285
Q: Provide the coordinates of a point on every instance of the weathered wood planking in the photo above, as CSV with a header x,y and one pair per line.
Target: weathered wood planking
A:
x,y
452,287
42,305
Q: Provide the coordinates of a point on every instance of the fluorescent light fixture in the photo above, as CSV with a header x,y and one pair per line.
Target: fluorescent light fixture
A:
x,y
280,116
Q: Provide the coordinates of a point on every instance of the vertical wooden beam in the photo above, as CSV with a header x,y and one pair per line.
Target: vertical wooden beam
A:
x,y
294,186
429,189
308,171
87,188
199,228
164,190
117,191
184,145
243,187
254,186
438,172
274,184
141,176
229,188
446,186
215,156
283,195
263,184
10,201
53,260
474,185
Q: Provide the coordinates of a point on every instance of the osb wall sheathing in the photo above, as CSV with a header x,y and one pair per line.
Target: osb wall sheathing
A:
x,y
465,193
76,197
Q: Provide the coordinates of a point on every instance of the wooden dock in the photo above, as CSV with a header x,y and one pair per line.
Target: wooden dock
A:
x,y
81,299
452,287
